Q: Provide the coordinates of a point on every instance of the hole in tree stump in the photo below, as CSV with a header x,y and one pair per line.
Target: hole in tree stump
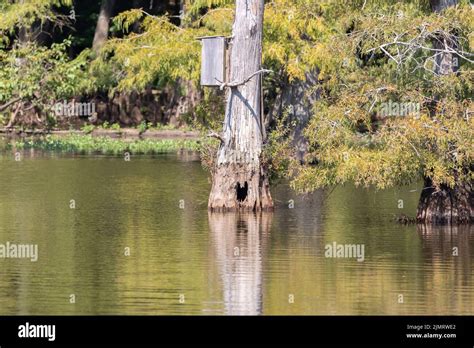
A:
x,y
242,191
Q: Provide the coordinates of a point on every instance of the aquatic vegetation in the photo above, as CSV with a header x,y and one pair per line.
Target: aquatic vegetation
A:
x,y
88,144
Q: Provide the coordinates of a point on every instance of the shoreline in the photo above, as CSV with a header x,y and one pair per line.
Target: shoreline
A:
x,y
106,141
124,133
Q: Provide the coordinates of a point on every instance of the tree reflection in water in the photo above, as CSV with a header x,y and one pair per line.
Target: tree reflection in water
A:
x,y
240,241
448,247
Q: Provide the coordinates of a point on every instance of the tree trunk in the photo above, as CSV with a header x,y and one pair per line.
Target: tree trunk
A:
x,y
24,33
446,63
239,180
446,205
182,13
440,5
297,99
102,28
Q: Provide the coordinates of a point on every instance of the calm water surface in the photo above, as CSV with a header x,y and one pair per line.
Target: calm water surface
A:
x,y
217,263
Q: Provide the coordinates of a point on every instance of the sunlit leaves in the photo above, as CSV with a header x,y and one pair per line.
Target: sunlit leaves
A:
x,y
127,18
16,14
41,75
350,140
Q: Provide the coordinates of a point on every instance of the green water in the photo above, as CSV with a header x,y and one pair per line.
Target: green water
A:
x,y
185,261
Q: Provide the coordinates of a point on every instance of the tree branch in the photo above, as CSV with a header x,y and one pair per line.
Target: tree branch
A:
x,y
243,82
216,135
11,102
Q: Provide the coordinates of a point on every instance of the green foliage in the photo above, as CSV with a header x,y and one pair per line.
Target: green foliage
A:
x,y
105,145
215,15
23,14
385,54
88,128
40,76
142,127
278,154
365,54
209,113
195,7
161,55
115,127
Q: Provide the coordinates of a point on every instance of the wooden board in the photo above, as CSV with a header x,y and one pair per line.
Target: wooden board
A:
x,y
213,61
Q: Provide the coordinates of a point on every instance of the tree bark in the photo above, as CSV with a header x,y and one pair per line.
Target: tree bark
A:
x,y
446,63
446,205
297,99
239,180
24,33
441,5
102,28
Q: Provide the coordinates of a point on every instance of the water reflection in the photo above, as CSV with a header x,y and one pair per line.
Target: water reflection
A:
x,y
240,241
223,263
440,240
449,247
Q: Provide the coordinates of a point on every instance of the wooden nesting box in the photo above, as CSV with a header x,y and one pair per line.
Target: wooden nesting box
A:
x,y
213,60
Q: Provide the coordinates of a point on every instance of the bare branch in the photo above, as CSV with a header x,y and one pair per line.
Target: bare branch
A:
x,y
213,134
11,102
243,82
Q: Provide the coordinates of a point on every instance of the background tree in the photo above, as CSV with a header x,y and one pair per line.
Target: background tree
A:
x,y
385,54
102,28
340,63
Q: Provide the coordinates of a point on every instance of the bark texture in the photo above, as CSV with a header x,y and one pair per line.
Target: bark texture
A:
x,y
296,100
440,5
102,28
446,205
446,63
239,178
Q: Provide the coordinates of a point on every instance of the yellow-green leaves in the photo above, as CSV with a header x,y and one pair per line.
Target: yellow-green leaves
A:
x,y
365,70
24,13
127,18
